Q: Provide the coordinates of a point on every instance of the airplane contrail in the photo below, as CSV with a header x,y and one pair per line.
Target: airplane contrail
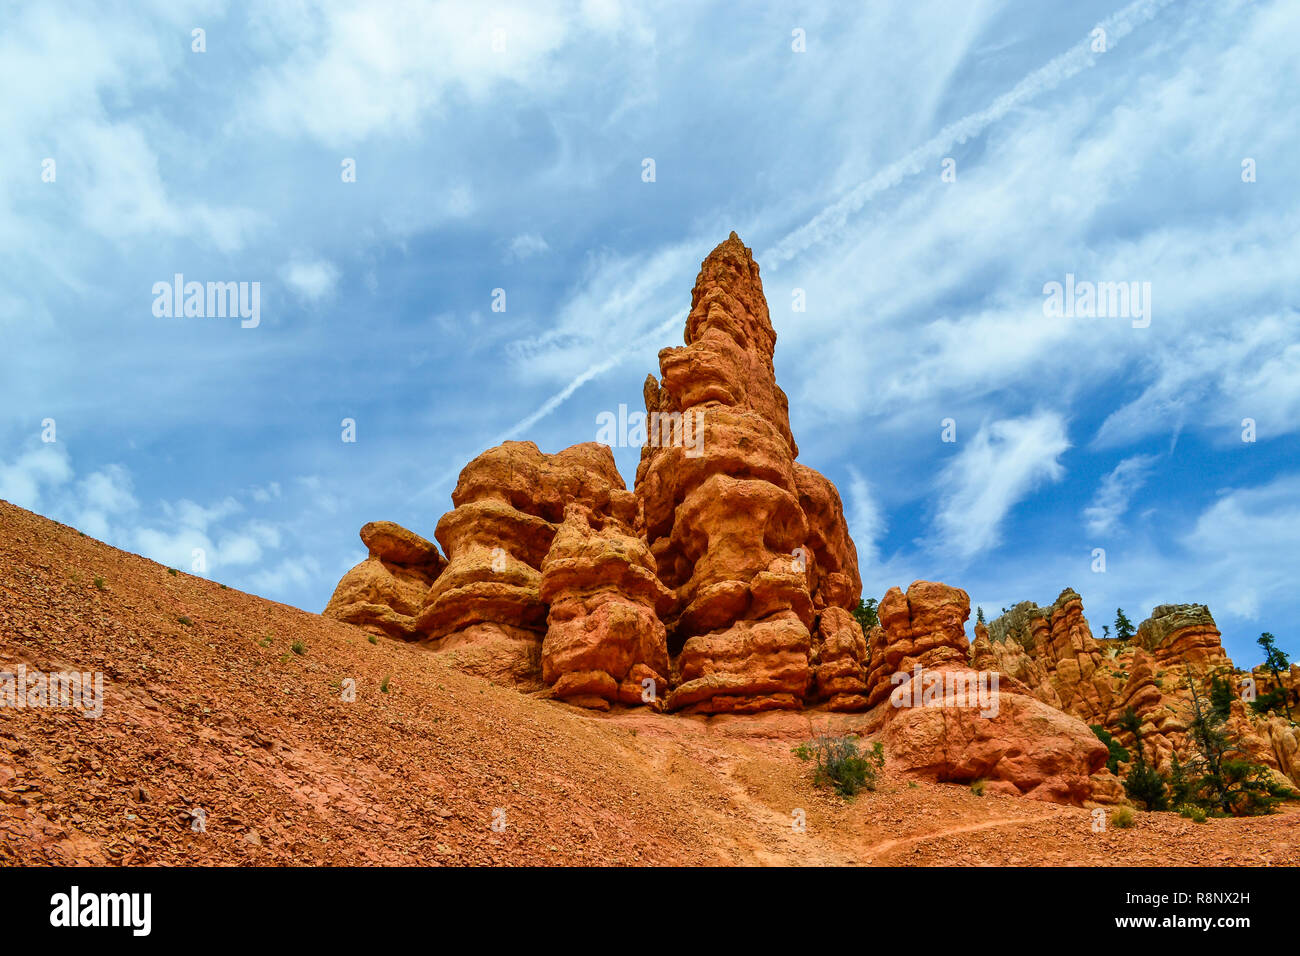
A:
x,y
1073,61
830,220
654,335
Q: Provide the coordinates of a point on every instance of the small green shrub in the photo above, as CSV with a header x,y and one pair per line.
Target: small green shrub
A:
x,y
1192,812
383,686
373,639
172,572
840,765
184,620
1145,786
1117,754
1122,818
977,788
298,647
99,582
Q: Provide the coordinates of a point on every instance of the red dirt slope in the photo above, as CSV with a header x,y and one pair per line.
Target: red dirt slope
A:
x,y
221,714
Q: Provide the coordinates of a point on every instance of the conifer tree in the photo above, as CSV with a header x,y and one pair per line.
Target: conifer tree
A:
x,y
1276,661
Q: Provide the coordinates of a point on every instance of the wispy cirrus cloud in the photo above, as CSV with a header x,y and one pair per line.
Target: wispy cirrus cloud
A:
x,y
1115,492
1005,461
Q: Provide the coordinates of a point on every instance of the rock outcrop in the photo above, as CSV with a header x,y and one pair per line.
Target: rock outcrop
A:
x,y
605,639
723,583
383,593
1052,652
941,719
487,605
753,544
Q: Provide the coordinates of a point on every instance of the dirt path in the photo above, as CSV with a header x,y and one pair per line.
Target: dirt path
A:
x,y
876,854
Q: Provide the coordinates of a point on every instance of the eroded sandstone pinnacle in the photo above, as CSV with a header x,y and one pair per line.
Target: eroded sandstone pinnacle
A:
x,y
722,582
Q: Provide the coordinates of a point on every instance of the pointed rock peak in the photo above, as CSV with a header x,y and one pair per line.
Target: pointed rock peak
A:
x,y
728,294
730,260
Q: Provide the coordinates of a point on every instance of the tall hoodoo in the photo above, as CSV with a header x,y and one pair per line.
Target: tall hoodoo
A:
x,y
754,544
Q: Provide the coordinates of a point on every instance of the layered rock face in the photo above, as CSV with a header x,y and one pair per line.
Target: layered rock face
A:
x,y
944,720
1052,652
510,502
605,640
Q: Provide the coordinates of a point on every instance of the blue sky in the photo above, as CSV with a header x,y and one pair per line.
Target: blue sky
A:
x,y
502,147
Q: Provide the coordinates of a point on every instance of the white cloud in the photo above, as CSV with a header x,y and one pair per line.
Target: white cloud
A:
x,y
1246,544
525,246
1217,377
303,573
311,280
24,482
834,219
1115,491
996,469
865,518
348,72
266,494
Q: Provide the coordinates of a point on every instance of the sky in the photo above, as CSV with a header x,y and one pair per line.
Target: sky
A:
x,y
917,174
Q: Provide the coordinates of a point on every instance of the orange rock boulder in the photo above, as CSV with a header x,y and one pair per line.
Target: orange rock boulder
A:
x,y
384,592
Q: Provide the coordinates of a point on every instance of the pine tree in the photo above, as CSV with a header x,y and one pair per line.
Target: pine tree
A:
x,y
979,615
1221,696
865,612
1131,722
1143,783
1124,629
1276,661
1228,781
1180,784
1115,754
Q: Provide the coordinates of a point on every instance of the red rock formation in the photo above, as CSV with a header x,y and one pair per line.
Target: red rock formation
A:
x,y
839,652
1183,634
731,555
384,592
1052,651
605,638
753,544
725,583
487,606
958,725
